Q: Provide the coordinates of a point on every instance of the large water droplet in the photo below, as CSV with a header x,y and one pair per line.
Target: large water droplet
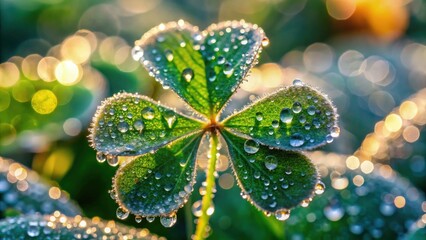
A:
x,y
329,138
221,60
168,221
305,202
197,208
282,214
170,118
33,229
271,162
265,41
169,55
112,160
228,69
122,213
100,156
188,74
138,218
123,127
334,212
319,188
211,75
137,53
251,146
286,116
335,131
297,140
297,83
297,107
311,110
139,125
148,113
150,219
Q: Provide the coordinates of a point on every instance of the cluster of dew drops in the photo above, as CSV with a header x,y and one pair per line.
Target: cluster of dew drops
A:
x,y
187,73
286,116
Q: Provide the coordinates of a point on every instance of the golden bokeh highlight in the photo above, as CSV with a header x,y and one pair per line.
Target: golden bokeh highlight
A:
x,y
54,193
46,68
226,181
408,110
9,74
367,167
339,183
44,101
67,73
29,66
76,49
358,180
352,162
399,201
341,9
393,122
411,134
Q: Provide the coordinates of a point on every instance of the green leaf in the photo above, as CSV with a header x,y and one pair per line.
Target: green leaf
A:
x,y
59,226
204,68
294,118
22,191
273,180
158,183
131,124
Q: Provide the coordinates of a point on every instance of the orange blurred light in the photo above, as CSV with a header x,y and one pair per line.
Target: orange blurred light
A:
x,y
76,48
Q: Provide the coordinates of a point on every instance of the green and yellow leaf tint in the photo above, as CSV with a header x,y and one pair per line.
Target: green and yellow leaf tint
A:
x,y
205,69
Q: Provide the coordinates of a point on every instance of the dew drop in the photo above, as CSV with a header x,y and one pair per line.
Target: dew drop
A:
x,y
282,214
228,69
150,219
286,116
335,132
211,41
170,118
138,218
311,110
305,203
265,41
251,146
297,140
112,160
148,113
100,156
197,209
160,38
297,82
271,162
302,119
319,188
139,125
33,229
275,124
169,55
259,116
211,75
168,221
123,127
188,74
329,138
137,53
297,107
122,213
221,60
244,41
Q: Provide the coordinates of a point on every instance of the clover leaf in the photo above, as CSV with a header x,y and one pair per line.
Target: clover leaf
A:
x,y
159,145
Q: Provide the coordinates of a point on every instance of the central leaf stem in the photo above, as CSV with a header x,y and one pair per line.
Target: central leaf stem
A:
x,y
203,221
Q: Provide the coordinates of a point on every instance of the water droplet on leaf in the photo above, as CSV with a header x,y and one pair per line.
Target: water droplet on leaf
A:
x,y
122,213
148,113
228,69
139,125
297,140
168,221
188,74
282,214
319,188
112,160
297,83
271,162
170,118
137,53
123,127
335,132
286,116
100,156
169,55
259,116
251,146
265,41
297,107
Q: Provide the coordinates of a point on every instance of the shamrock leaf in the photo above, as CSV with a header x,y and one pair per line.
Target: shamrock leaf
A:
x,y
273,180
59,226
168,174
205,68
296,117
130,125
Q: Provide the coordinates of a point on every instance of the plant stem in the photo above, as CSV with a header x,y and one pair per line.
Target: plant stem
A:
x,y
203,221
